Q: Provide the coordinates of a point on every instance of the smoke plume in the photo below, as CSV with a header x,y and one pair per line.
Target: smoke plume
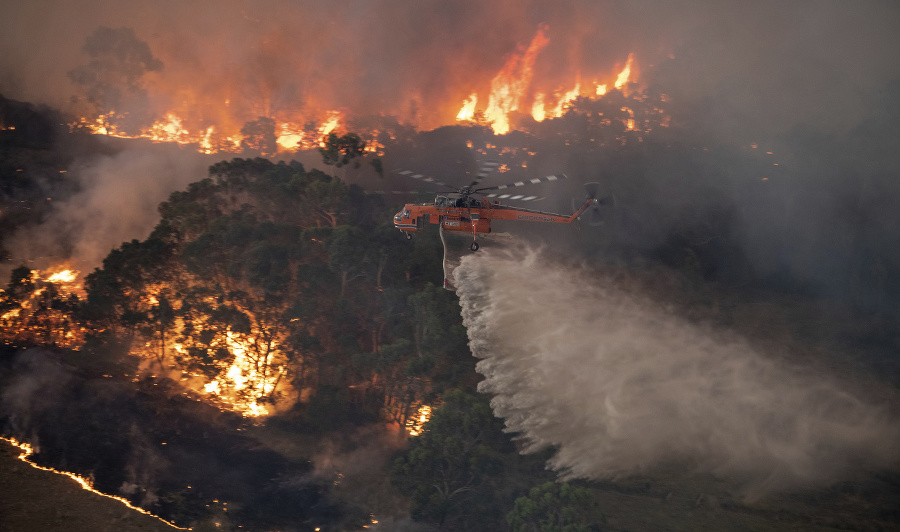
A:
x,y
40,383
622,386
116,202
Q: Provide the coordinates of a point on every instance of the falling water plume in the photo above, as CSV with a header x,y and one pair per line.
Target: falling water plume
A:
x,y
621,386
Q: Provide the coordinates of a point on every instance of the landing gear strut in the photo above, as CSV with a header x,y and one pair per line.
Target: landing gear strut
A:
x,y
408,235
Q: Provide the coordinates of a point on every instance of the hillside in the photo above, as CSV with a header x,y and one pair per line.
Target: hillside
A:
x,y
31,500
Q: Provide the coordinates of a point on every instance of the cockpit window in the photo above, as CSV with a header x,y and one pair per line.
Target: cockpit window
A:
x,y
406,214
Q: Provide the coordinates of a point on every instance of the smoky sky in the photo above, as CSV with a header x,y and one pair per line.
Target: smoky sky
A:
x,y
763,65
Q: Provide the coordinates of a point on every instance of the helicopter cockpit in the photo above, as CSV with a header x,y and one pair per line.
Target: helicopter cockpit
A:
x,y
460,202
444,201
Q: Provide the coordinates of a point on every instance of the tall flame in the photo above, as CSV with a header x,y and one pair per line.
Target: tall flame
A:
x,y
243,383
537,109
331,123
566,99
468,109
510,86
623,76
289,136
415,425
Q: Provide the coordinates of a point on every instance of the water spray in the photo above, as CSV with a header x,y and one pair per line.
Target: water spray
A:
x,y
622,386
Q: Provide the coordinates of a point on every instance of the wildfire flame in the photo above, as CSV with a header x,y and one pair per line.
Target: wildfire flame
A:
x,y
537,110
332,123
36,317
415,425
28,450
510,87
290,136
243,383
562,104
65,276
35,313
625,74
211,120
468,109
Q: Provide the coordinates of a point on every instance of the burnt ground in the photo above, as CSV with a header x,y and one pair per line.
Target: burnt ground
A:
x,y
33,500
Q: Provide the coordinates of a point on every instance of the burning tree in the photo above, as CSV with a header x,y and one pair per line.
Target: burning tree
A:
x,y
206,294
254,291
39,308
111,82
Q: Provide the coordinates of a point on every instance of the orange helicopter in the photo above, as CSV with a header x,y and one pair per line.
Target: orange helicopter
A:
x,y
461,211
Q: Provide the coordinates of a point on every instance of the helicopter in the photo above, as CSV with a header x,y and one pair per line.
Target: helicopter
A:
x,y
461,211
471,209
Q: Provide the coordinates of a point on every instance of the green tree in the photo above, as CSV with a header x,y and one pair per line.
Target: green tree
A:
x,y
238,296
439,338
378,165
259,137
118,294
19,288
556,507
324,198
160,320
339,151
452,470
347,253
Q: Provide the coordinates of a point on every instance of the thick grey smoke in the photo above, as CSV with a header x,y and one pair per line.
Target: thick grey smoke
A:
x,y
117,202
621,385
40,382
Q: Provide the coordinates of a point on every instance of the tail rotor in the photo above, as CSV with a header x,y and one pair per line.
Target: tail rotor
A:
x,y
603,200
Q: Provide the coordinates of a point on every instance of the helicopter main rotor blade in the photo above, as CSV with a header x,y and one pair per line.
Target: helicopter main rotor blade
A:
x,y
424,178
527,182
517,197
386,192
486,168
